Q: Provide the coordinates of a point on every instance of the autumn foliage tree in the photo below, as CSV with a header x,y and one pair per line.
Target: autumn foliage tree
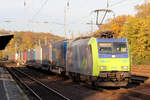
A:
x,y
29,40
142,10
138,33
116,24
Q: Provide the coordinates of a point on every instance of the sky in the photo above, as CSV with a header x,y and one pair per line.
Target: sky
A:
x,y
48,15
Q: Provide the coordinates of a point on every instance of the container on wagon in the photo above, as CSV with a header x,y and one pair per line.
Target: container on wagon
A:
x,y
34,55
59,53
38,53
79,57
25,56
28,56
47,55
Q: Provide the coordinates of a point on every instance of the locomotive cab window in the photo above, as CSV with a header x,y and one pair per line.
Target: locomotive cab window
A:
x,y
112,48
119,47
105,47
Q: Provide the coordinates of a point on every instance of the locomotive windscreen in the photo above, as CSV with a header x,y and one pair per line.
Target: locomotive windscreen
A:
x,y
119,47
112,48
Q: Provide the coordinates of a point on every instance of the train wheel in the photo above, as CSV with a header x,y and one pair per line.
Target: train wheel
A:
x,y
76,77
73,77
49,68
63,73
94,85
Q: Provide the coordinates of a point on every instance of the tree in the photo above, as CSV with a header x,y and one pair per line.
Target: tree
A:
x,y
142,10
138,33
116,25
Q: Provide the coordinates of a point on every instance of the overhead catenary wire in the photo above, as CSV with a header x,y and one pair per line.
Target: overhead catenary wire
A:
x,y
117,3
79,20
39,9
68,5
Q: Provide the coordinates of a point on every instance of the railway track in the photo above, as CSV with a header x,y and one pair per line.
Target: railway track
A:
x,y
132,93
39,90
138,95
139,78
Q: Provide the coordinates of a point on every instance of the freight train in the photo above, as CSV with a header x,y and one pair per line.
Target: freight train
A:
x,y
99,61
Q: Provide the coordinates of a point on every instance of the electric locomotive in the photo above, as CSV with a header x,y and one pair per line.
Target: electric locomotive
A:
x,y
100,61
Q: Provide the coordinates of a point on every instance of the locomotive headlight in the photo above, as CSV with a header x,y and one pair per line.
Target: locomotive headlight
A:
x,y
103,68
124,67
